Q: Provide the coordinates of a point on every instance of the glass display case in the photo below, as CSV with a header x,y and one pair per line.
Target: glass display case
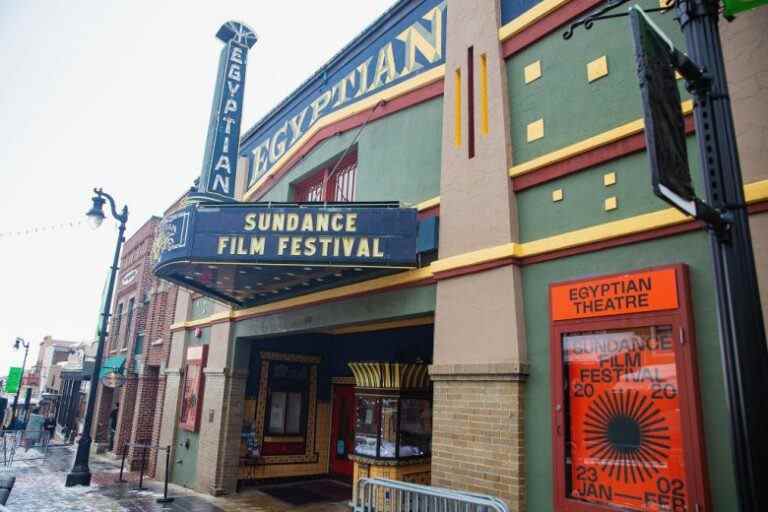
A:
x,y
394,425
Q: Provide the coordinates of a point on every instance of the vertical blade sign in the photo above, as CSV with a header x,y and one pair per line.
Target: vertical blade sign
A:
x,y
220,162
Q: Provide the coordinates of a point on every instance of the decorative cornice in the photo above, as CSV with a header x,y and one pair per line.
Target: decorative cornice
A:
x,y
508,372
422,80
530,17
484,259
540,21
599,140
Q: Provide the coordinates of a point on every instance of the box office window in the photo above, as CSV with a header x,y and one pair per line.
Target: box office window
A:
x,y
392,427
626,428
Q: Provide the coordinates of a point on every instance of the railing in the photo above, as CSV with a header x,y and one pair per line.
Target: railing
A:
x,y
12,440
381,495
144,448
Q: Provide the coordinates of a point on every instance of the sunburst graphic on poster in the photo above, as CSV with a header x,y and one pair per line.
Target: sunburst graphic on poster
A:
x,y
625,442
628,434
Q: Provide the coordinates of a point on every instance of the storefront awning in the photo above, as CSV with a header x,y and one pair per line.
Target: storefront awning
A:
x,y
254,253
112,364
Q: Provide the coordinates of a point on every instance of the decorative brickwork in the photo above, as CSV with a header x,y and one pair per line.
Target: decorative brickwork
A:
x,y
477,442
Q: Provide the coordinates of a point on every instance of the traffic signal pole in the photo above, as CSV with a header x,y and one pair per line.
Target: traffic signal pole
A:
x,y
742,331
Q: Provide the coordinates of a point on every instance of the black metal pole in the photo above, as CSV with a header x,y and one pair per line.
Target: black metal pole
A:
x,y
21,382
743,342
122,463
81,473
165,498
141,473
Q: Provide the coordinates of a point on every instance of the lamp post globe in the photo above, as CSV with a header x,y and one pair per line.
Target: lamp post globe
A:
x,y
80,474
96,213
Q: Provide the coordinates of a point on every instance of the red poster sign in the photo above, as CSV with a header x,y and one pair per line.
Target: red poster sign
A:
x,y
639,292
192,394
625,426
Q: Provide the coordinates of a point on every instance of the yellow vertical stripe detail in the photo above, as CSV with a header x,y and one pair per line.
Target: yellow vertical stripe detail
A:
x,y
483,94
457,107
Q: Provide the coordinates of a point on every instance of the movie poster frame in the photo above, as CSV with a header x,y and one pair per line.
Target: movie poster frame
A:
x,y
192,423
681,320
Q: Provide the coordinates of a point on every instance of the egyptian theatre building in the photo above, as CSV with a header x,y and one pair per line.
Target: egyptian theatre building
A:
x,y
440,260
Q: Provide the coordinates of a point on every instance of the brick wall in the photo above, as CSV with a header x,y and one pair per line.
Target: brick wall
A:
x,y
101,414
143,418
125,413
218,461
477,442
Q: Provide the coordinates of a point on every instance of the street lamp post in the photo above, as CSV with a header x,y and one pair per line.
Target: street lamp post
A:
x,y
81,473
16,344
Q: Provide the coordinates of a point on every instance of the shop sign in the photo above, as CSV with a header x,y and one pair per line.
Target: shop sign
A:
x,y
640,292
113,380
224,130
411,45
129,277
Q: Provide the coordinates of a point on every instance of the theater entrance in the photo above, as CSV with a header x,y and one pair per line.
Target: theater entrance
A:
x,y
342,430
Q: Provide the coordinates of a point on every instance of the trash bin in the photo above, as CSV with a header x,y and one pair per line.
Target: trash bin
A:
x,y
6,484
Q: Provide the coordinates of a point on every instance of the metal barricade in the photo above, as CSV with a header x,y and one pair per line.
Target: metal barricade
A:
x,y
381,495
144,448
27,440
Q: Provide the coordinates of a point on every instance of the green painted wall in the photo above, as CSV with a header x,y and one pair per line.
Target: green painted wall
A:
x,y
398,157
584,195
184,470
691,248
395,304
574,109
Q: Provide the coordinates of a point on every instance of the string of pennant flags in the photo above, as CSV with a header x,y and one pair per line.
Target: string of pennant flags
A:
x,y
60,226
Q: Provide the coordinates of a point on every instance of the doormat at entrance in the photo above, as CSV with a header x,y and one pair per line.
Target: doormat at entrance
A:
x,y
309,491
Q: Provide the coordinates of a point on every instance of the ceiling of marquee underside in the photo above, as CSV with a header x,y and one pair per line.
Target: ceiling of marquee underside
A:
x,y
246,285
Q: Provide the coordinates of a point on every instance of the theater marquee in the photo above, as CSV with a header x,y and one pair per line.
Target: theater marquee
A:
x,y
250,253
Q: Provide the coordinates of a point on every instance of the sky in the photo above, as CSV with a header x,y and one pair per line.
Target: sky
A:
x,y
118,95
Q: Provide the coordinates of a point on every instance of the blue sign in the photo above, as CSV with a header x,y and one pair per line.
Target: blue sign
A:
x,y
399,46
285,235
247,253
221,148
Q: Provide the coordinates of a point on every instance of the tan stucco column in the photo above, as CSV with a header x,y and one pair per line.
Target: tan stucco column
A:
x,y
480,352
745,44
222,413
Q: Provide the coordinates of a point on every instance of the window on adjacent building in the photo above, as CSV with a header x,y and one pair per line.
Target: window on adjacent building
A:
x,y
128,322
333,182
116,324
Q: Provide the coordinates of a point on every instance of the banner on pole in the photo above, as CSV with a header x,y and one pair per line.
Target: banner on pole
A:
x,y
14,380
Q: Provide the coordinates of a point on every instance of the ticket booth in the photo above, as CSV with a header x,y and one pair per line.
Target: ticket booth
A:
x,y
393,422
626,426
